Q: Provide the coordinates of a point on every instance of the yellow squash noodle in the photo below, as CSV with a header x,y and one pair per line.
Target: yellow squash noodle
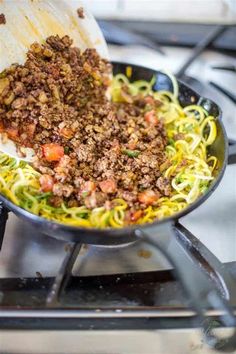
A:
x,y
189,167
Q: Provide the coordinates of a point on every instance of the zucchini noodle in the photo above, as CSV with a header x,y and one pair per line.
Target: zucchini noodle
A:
x,y
189,166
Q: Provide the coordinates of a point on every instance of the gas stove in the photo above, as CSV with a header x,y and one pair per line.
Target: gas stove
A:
x,y
130,288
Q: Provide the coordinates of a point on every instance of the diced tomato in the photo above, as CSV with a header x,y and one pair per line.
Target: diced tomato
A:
x,y
148,197
66,133
108,186
52,152
136,215
149,99
132,144
151,117
87,188
2,129
12,133
46,183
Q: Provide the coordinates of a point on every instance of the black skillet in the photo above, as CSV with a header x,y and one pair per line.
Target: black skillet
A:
x,y
200,290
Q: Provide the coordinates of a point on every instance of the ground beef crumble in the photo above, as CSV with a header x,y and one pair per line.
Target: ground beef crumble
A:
x,y
2,19
80,12
88,149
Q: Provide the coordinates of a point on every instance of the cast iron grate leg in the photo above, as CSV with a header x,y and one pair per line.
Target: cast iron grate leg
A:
x,y
64,274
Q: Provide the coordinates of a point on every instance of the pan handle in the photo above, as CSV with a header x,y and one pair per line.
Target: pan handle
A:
x,y
200,290
3,221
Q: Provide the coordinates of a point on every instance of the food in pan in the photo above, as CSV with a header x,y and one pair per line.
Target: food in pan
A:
x,y
109,153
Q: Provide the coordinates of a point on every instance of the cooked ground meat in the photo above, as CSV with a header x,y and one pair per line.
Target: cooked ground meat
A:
x,y
80,12
163,184
2,19
89,150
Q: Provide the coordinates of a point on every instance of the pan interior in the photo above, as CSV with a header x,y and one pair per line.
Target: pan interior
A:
x,y
119,236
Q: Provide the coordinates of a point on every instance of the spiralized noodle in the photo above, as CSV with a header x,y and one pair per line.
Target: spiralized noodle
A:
x,y
189,167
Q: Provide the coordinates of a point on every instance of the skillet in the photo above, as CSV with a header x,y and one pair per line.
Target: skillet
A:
x,y
200,290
